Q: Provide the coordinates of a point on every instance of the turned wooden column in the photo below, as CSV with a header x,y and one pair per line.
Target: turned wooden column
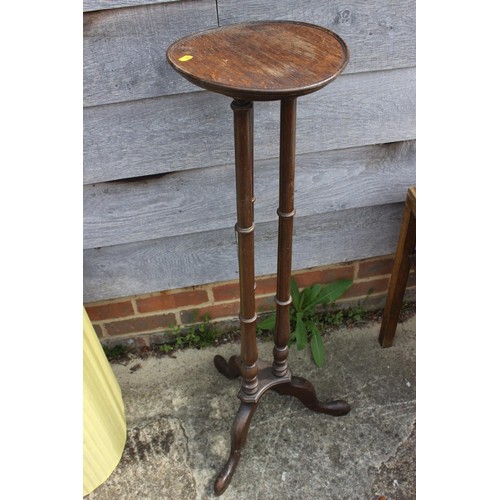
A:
x,y
286,212
243,146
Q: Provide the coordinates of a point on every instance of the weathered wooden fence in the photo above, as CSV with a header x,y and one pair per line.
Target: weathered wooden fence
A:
x,y
159,206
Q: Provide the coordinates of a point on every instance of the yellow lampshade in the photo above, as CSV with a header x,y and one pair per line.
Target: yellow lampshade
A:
x,y
104,426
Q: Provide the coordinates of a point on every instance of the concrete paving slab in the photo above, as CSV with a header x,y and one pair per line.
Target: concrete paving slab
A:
x,y
180,410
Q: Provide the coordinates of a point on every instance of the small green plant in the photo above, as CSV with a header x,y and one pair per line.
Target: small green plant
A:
x,y
349,316
196,336
116,352
303,315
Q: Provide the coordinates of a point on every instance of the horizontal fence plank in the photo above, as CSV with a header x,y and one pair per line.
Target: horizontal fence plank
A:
x,y
89,5
204,199
380,34
194,130
124,50
198,258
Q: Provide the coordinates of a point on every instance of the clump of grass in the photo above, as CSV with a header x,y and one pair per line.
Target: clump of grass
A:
x,y
197,336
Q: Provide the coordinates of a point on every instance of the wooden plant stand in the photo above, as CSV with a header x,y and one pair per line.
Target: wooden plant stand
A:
x,y
262,61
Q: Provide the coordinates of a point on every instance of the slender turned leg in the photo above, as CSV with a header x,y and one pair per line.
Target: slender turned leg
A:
x,y
285,229
399,277
239,433
243,141
245,364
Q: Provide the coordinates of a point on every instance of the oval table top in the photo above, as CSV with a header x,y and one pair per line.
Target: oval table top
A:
x,y
261,61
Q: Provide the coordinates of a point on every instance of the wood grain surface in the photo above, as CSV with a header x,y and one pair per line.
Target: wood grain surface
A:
x,y
124,49
180,261
380,34
204,199
195,130
261,61
90,5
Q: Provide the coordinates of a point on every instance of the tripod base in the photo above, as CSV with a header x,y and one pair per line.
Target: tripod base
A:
x,y
287,385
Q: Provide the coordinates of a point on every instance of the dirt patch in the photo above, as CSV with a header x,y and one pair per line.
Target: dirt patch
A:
x,y
396,478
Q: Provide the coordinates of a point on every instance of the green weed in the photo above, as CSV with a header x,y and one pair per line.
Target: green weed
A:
x,y
196,336
304,315
116,352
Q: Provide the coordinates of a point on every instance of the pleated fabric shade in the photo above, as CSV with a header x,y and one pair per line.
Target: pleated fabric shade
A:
x,y
104,426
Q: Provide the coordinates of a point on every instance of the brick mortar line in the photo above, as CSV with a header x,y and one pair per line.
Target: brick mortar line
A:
x,y
326,266
257,296
363,296
175,309
159,311
134,306
133,298
229,301
106,302
126,336
261,296
105,334
272,294
214,303
211,302
210,294
356,271
132,335
298,271
140,315
370,295
210,286
379,257
179,309
177,315
136,316
224,318
371,278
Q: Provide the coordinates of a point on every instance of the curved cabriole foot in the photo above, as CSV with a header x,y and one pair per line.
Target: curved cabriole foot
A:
x,y
239,433
303,390
230,369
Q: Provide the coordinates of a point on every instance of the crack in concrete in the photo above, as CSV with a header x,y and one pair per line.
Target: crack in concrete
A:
x,y
398,405
188,451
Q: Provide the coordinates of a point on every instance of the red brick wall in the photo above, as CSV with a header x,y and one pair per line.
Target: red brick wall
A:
x,y
144,318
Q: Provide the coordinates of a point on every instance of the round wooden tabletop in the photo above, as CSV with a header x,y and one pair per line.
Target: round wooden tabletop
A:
x,y
261,61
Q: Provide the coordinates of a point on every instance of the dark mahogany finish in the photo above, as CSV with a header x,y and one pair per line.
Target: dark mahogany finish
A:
x,y
262,61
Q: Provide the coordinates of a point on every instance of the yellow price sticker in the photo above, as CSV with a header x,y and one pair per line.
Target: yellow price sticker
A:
x,y
187,57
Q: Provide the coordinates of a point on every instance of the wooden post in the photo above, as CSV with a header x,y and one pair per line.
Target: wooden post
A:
x,y
400,271
243,143
286,212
